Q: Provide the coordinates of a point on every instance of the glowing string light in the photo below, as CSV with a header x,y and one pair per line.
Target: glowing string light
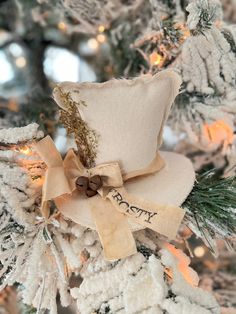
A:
x,y
155,59
218,132
101,28
61,26
20,62
199,251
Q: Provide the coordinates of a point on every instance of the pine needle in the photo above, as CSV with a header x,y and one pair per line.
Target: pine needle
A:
x,y
212,204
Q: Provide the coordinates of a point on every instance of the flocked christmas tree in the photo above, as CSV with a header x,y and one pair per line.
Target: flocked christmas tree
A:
x,y
53,253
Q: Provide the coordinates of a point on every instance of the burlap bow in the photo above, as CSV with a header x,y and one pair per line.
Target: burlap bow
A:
x,y
111,207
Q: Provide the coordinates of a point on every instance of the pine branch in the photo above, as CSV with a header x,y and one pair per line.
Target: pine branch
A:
x,y
212,204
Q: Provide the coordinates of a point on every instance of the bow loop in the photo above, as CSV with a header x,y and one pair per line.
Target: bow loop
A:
x,y
55,181
73,168
49,153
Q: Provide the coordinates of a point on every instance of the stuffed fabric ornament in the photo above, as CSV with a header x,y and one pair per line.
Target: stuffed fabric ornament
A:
x,y
119,183
142,187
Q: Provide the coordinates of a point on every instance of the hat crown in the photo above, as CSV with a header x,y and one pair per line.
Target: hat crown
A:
x,y
127,115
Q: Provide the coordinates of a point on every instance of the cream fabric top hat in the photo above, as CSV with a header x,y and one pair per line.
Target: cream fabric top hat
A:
x,y
128,116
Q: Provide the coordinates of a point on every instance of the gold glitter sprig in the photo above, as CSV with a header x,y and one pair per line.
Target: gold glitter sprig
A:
x,y
85,137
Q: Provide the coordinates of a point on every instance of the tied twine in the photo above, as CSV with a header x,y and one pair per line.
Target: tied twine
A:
x,y
112,204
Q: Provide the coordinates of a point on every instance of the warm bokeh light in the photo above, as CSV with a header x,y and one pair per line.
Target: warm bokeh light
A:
x,y
25,150
93,43
155,59
61,26
218,132
20,62
13,105
199,251
182,264
101,38
186,33
101,28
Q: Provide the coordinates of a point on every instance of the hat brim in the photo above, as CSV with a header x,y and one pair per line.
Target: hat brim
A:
x,y
170,186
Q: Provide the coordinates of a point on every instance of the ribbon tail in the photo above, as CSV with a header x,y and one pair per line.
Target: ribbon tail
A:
x,y
113,229
55,181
